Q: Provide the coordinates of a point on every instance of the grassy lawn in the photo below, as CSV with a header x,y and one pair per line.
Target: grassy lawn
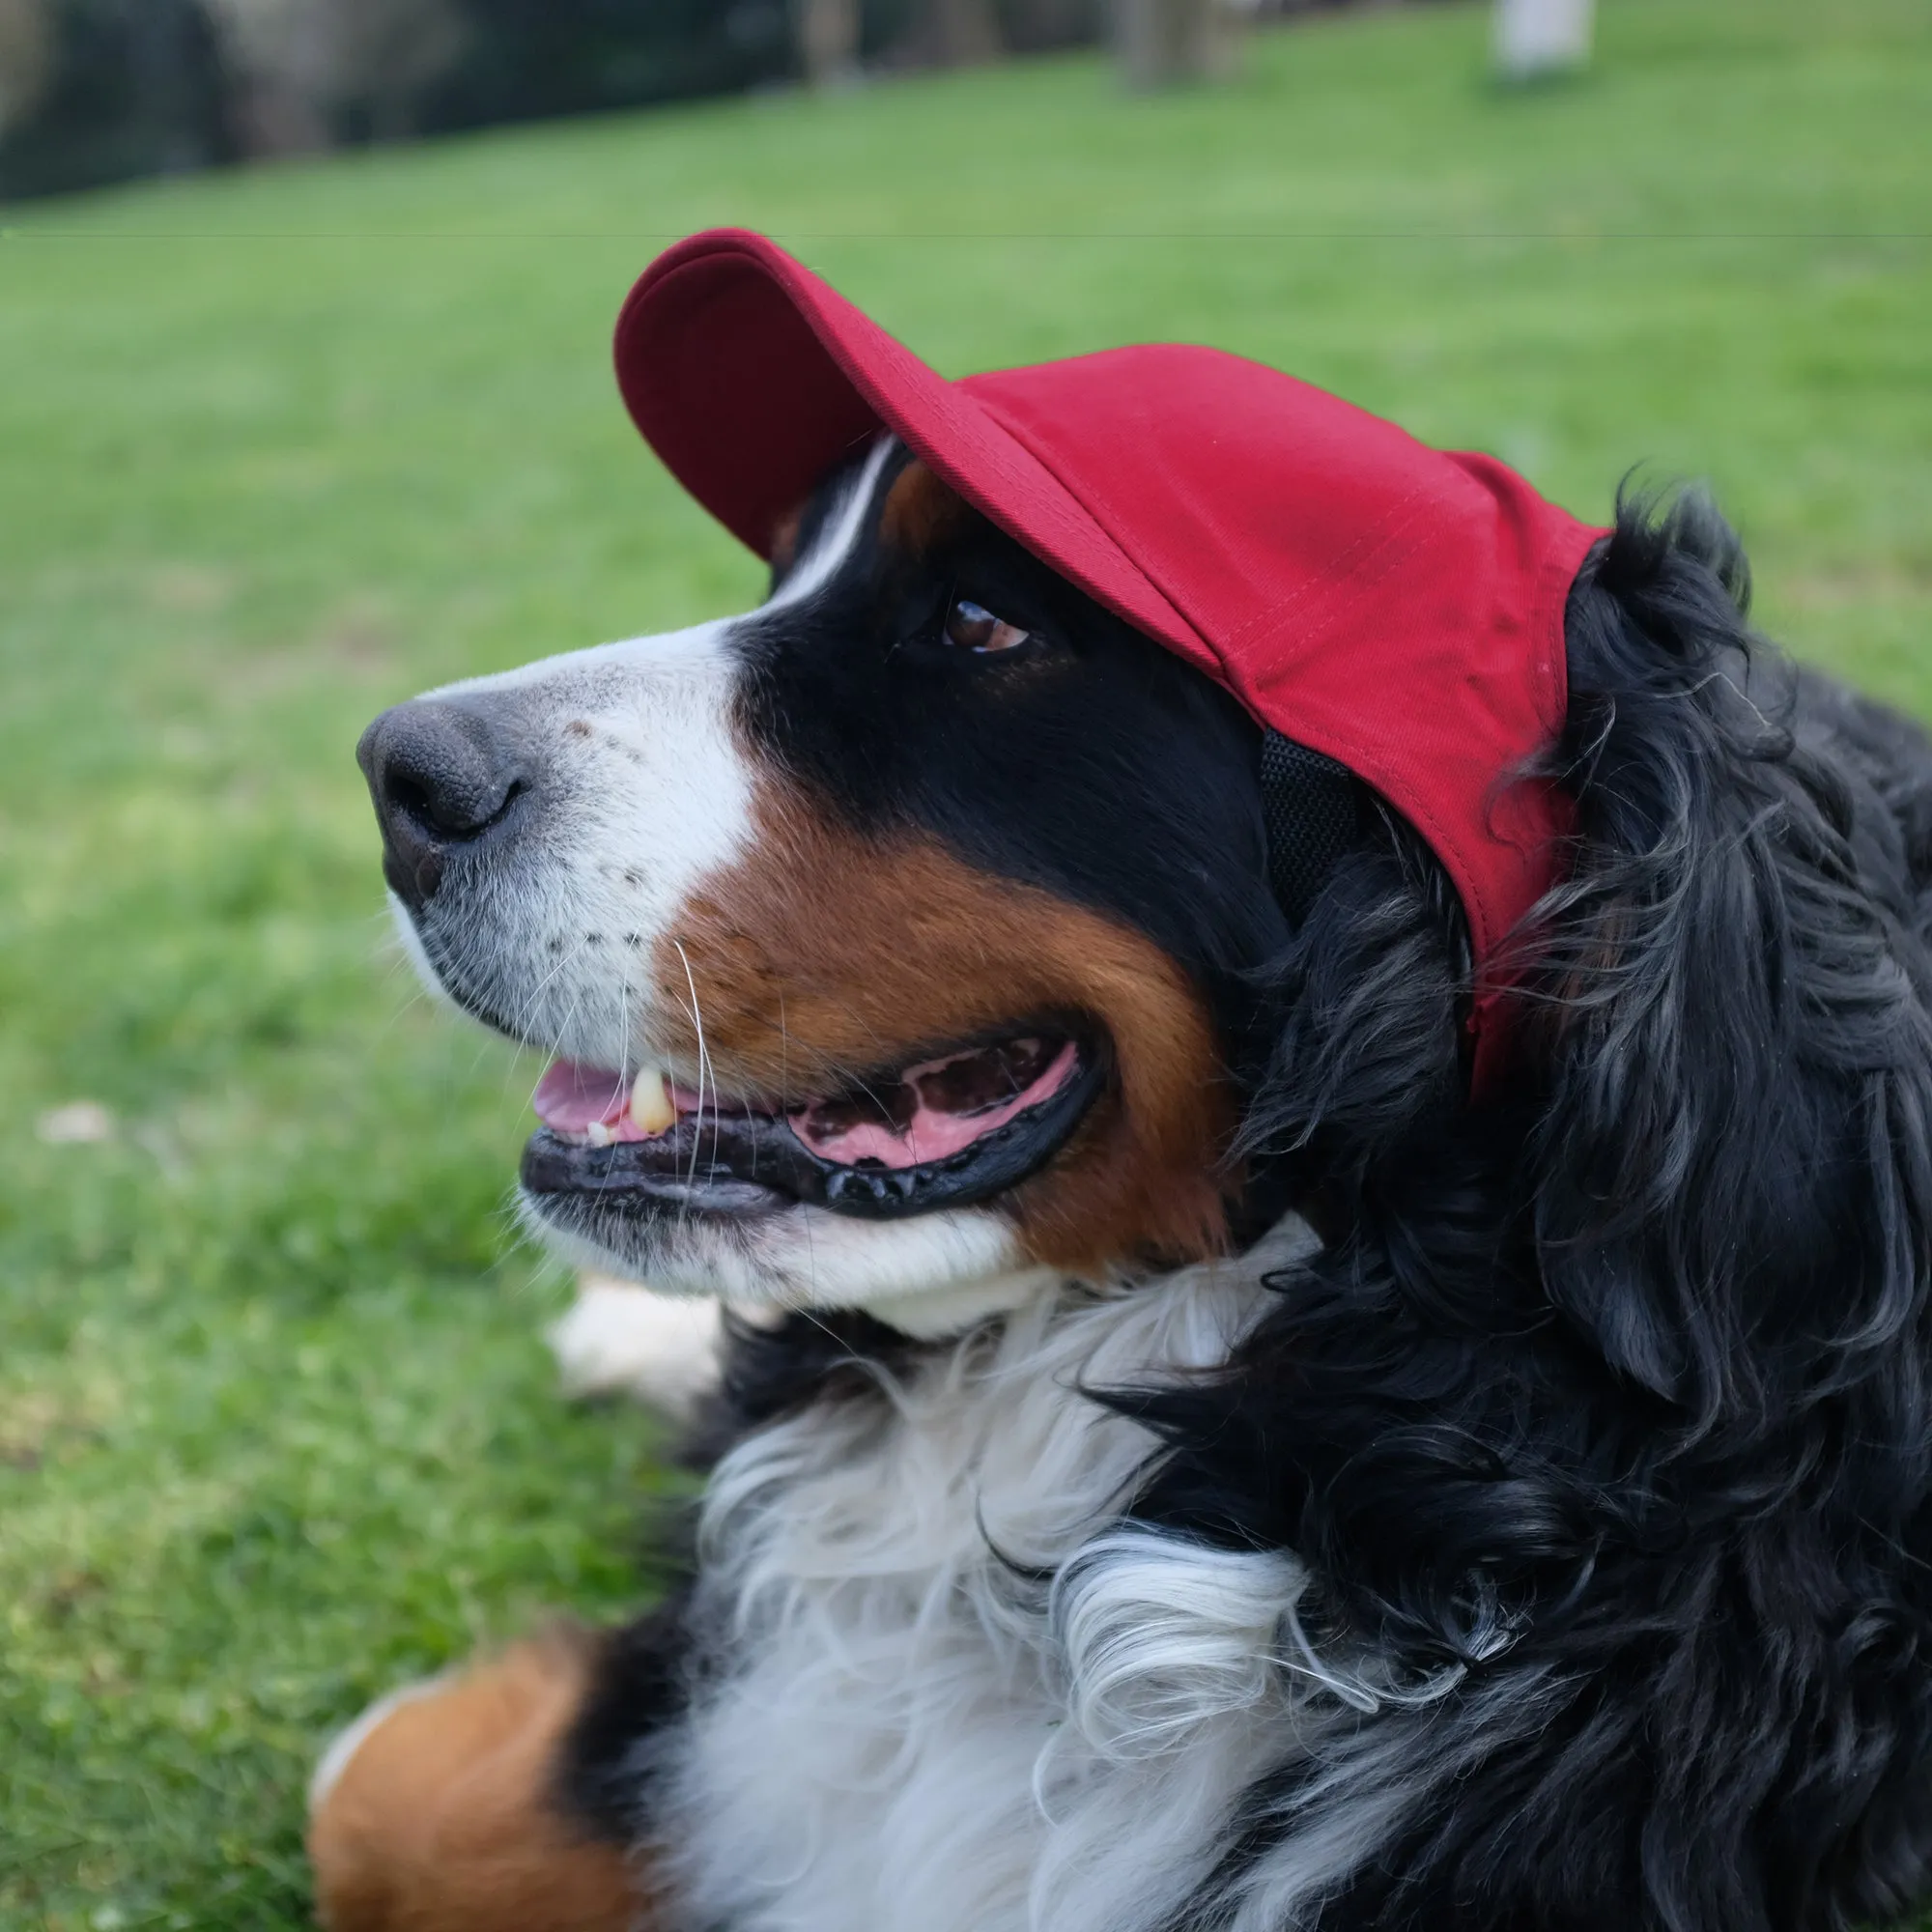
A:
x,y
275,1423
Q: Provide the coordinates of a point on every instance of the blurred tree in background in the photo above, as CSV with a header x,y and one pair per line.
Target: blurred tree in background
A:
x,y
95,91
299,72
962,31
26,58
828,40
1162,41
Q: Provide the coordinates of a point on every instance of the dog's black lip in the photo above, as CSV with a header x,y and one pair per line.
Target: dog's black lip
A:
x,y
739,1165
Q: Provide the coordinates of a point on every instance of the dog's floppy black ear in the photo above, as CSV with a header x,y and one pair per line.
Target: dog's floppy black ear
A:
x,y
1733,1189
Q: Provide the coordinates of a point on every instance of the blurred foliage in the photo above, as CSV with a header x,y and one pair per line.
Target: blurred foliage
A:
x,y
542,57
95,91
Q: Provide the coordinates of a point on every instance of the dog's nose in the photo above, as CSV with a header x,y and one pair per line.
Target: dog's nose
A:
x,y
440,778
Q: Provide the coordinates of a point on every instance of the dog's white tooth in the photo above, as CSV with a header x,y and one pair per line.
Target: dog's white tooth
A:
x,y
651,1109
598,1133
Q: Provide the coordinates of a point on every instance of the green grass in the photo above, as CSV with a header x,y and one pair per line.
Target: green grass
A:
x,y
275,1425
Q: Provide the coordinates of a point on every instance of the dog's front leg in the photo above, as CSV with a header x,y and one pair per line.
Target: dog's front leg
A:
x,y
441,1809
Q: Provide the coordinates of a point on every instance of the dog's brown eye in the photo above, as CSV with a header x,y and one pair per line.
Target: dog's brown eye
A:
x,y
973,628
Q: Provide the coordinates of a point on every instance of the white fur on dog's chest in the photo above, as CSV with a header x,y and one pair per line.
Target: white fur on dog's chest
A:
x,y
910,1727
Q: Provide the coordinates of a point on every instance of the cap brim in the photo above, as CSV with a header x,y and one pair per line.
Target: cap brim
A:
x,y
752,380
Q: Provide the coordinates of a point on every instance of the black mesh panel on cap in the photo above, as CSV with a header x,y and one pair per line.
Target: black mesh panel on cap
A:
x,y
1311,807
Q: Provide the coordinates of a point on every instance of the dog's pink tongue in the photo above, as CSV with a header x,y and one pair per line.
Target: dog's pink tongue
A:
x,y
940,1107
572,1098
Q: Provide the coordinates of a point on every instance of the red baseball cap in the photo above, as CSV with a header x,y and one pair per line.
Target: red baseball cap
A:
x,y
1397,608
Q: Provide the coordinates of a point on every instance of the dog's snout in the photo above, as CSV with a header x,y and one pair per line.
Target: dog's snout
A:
x,y
440,778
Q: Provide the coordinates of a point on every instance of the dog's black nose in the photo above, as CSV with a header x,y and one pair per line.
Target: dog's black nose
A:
x,y
441,778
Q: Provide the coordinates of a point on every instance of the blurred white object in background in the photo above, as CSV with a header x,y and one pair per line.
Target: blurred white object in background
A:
x,y
78,1123
1538,37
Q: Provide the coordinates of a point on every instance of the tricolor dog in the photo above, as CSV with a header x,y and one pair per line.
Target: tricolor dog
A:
x,y
1316,1081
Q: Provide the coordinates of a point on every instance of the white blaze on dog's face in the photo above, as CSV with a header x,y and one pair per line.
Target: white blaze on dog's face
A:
x,y
889,938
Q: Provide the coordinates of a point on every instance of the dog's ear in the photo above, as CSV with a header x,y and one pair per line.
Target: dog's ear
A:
x,y
1732,1192
1361,1021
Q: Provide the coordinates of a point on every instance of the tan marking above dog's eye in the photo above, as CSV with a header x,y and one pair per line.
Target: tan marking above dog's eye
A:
x,y
973,628
784,547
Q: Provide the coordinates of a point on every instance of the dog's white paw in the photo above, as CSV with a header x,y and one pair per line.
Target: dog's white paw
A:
x,y
619,1339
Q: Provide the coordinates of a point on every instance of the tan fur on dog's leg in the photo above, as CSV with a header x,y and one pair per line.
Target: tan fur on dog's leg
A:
x,y
443,1817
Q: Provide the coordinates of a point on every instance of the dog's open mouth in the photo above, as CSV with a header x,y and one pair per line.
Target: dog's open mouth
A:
x,y
944,1131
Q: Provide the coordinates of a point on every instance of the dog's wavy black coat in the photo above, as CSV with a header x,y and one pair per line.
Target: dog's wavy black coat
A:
x,y
1613,1393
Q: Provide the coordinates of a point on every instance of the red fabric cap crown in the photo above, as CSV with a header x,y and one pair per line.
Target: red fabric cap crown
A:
x,y
1393,606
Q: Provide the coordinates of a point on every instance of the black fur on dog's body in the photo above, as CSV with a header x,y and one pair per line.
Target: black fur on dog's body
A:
x,y
1646,1364
1612,1395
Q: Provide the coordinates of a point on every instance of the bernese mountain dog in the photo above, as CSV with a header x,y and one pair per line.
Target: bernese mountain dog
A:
x,y
1260,1403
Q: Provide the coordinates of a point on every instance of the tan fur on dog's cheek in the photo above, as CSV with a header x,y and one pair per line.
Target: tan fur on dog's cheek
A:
x,y
1142,1178
826,955
445,1818
781,552
1148,1201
